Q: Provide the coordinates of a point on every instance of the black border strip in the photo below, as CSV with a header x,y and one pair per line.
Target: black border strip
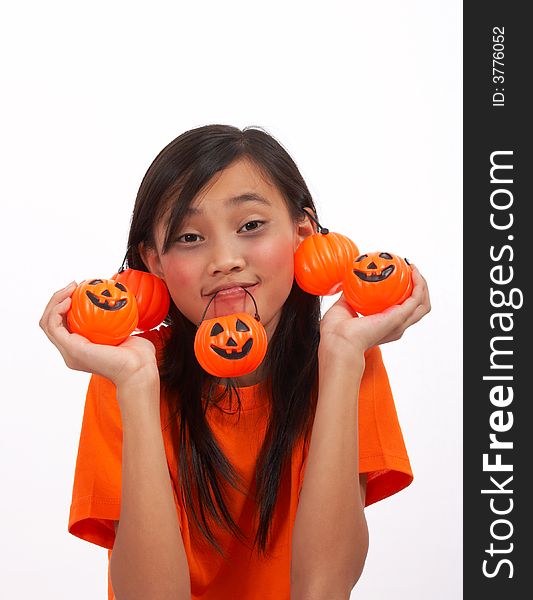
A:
x,y
498,350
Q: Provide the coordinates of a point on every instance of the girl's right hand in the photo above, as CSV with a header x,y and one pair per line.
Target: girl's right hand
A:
x,y
133,359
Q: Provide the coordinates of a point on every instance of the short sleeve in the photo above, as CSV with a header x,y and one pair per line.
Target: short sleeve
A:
x,y
98,473
382,452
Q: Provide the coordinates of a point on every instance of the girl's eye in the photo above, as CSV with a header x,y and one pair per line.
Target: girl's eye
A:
x,y
188,238
251,223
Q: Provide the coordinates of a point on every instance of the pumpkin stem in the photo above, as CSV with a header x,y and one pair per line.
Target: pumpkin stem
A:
x,y
256,316
321,229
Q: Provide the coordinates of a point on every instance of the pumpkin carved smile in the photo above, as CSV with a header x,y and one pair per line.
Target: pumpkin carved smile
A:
x,y
234,354
374,277
104,300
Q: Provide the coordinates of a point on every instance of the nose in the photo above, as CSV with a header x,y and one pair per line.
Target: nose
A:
x,y
226,258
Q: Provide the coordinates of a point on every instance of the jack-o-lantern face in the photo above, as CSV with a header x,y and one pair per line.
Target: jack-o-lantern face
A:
x,y
103,310
105,296
376,281
230,346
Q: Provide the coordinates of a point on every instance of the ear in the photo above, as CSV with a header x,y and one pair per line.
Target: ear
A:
x,y
150,258
304,228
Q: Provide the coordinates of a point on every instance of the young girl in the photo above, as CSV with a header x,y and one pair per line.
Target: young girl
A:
x,y
196,483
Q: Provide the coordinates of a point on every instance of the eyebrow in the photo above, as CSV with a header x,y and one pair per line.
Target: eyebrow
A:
x,y
236,201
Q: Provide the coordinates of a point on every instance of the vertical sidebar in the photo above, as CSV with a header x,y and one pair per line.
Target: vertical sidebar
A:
x,y
498,337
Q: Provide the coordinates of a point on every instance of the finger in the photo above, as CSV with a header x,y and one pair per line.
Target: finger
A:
x,y
397,318
343,303
418,279
57,297
64,292
419,294
416,308
65,338
420,311
426,290
400,326
67,291
421,283
393,318
56,303
55,325
56,319
70,345
407,307
340,309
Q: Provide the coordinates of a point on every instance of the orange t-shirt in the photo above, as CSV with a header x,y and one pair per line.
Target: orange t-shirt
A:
x,y
97,481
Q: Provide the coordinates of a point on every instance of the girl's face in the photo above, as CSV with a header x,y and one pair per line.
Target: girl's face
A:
x,y
238,232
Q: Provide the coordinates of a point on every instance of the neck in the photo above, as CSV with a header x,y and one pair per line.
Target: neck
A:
x,y
252,378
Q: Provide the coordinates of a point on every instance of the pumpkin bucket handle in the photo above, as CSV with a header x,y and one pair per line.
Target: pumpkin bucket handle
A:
x,y
256,316
124,262
321,229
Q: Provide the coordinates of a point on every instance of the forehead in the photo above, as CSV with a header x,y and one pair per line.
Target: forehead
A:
x,y
242,183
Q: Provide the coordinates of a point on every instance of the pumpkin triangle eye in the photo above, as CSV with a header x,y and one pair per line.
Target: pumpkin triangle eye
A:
x,y
216,329
360,258
385,255
240,326
120,286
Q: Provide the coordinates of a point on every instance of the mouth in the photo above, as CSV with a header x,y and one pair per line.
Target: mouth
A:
x,y
228,301
232,355
105,304
374,277
235,291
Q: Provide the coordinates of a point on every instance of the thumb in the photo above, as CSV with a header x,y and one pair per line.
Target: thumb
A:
x,y
342,308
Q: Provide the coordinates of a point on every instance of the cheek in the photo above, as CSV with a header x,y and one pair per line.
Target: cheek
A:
x,y
179,276
180,272
275,263
276,258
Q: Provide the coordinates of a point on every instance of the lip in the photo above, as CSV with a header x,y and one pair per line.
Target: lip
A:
x,y
230,300
234,290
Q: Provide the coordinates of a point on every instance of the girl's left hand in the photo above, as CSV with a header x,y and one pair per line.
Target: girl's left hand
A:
x,y
341,328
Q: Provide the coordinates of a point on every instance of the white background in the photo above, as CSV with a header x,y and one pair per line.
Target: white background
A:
x,y
366,97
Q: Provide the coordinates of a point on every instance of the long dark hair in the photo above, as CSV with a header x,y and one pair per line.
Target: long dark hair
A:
x,y
171,183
